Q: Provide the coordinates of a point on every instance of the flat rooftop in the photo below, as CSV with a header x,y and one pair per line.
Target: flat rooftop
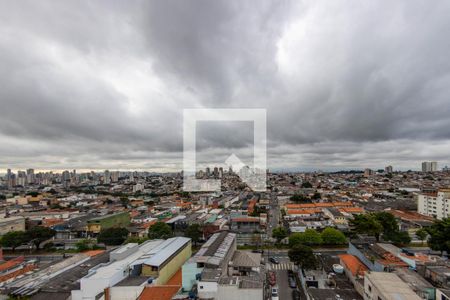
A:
x,y
391,286
107,270
165,250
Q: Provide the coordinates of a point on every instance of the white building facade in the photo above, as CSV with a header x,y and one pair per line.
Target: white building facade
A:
x,y
437,206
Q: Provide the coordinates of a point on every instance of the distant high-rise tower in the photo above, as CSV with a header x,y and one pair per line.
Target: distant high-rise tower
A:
x,y
30,176
106,177
389,169
429,166
115,176
368,172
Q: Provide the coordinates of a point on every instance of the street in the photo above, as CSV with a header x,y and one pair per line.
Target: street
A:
x,y
284,290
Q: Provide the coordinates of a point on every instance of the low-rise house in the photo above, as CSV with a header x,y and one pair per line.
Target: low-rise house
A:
x,y
222,272
386,286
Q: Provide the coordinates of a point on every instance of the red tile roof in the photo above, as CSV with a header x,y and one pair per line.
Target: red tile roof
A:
x,y
11,263
163,292
353,264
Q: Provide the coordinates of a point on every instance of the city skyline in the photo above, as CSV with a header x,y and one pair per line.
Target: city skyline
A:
x,y
204,167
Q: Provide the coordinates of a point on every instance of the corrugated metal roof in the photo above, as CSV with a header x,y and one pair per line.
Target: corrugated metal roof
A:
x,y
165,250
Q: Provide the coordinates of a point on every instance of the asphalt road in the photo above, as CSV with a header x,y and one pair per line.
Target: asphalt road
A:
x,y
285,292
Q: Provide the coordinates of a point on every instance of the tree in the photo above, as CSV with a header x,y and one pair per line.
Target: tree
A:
x,y
422,234
439,232
39,234
309,237
124,201
303,257
279,233
113,236
307,185
13,239
387,221
297,198
366,224
331,236
83,245
316,196
194,232
398,237
160,230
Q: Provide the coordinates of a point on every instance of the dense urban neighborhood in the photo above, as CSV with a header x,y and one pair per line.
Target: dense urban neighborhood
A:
x,y
372,234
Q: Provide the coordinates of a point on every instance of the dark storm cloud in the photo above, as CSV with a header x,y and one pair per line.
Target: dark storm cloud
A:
x,y
104,84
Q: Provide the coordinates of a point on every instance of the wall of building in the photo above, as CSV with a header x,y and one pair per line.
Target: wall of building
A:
x,y
190,271
207,290
175,264
438,207
168,270
441,296
125,292
232,292
91,287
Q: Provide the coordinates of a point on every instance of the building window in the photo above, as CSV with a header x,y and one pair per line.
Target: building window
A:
x,y
370,289
201,287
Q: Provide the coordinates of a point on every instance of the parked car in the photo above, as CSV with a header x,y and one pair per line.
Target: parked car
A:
x,y
274,260
275,293
296,295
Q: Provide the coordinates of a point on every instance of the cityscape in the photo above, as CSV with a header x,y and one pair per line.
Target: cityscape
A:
x,y
223,150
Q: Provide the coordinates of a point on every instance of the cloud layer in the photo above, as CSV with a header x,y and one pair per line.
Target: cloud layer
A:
x,y
95,85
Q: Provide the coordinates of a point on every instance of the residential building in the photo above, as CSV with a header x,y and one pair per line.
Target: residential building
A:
x,y
386,286
436,205
429,166
223,273
368,172
354,269
107,177
442,294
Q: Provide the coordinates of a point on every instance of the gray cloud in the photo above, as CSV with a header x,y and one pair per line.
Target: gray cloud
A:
x,y
104,84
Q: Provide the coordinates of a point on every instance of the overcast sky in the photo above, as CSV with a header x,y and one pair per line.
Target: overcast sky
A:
x,y
103,84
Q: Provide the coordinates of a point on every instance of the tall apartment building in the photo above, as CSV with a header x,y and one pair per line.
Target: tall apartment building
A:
x,y
107,177
368,172
429,166
389,169
435,205
115,176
